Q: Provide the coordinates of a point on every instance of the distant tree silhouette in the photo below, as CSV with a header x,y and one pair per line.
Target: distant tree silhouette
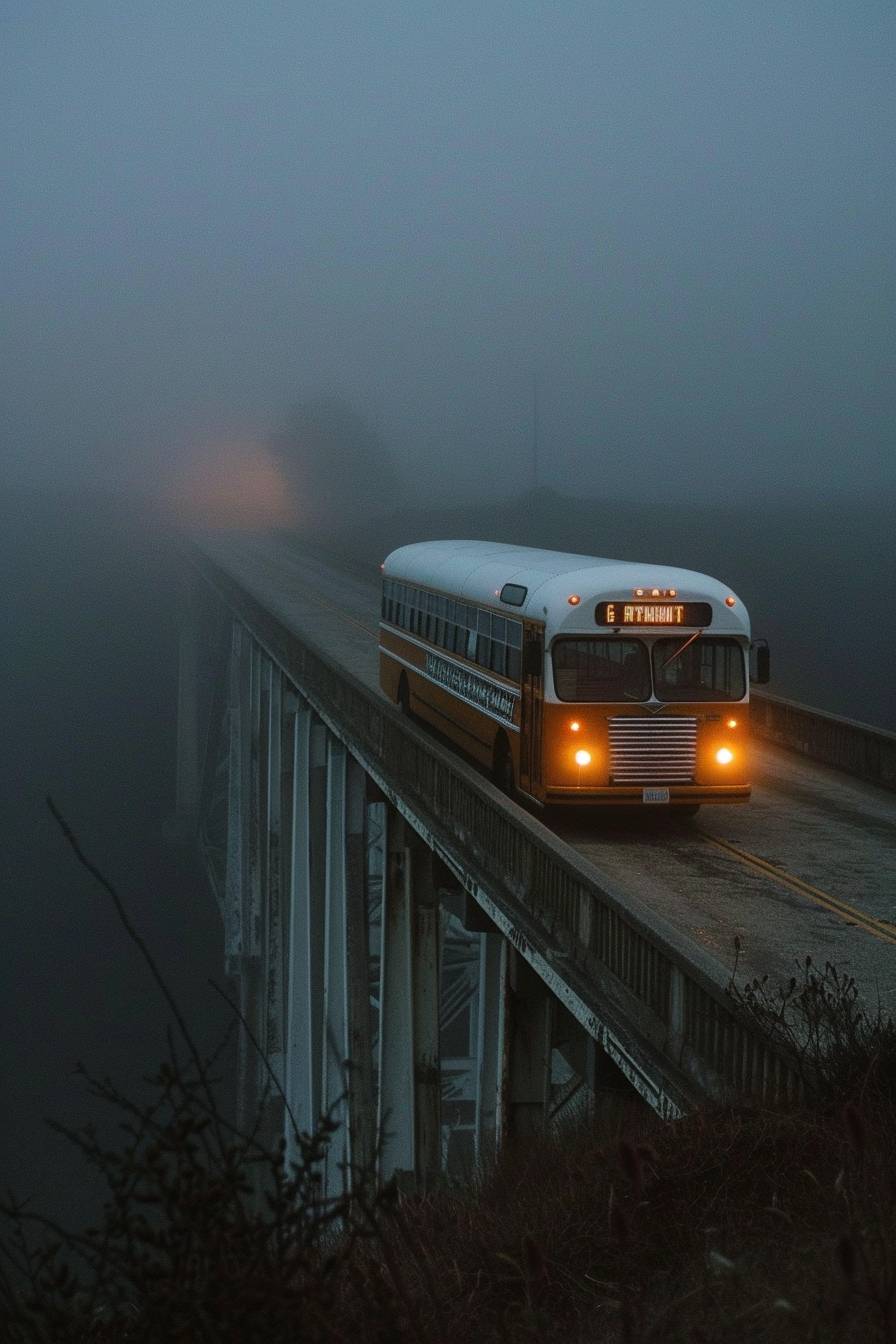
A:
x,y
340,467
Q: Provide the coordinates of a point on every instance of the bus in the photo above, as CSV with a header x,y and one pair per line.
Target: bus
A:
x,y
573,679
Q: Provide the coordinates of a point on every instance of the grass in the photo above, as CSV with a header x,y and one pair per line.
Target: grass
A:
x,y
739,1223
732,1224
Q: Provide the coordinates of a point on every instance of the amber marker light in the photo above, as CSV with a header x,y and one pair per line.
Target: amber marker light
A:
x,y
583,758
732,723
730,601
724,756
574,726
573,599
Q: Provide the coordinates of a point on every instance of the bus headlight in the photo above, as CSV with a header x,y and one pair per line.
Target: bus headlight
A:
x,y
724,756
583,758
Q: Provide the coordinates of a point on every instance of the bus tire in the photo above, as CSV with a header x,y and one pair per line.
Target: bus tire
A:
x,y
403,699
502,769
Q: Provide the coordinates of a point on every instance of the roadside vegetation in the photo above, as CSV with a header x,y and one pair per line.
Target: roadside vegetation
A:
x,y
736,1223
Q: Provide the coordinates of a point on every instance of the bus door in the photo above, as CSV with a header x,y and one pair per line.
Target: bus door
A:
x,y
531,709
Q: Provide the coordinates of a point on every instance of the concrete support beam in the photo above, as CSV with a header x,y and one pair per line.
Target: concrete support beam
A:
x,y
252,928
361,1101
304,1026
395,1110
317,896
248,1061
528,1081
334,1045
491,1022
274,869
426,979
247,961
271,987
613,1094
409,1111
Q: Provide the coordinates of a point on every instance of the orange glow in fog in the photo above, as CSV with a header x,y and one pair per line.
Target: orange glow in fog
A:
x,y
231,485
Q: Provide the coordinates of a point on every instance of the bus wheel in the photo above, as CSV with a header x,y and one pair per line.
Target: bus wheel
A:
x,y
404,696
502,770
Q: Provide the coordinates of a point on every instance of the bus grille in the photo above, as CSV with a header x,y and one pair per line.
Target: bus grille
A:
x,y
653,751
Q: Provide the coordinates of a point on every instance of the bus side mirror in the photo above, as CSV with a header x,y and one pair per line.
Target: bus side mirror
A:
x,y
761,659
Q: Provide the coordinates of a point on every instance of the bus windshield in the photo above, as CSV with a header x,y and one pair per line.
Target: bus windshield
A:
x,y
601,669
701,668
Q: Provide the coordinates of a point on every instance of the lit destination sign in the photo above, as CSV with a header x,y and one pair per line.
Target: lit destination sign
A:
x,y
642,613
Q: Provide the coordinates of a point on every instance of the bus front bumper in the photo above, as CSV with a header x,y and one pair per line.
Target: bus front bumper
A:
x,y
637,795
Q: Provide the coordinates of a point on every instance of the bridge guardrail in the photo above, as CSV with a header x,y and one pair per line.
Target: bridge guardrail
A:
x,y
856,748
642,968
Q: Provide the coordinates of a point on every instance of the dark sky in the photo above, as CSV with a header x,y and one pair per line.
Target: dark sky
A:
x,y
680,214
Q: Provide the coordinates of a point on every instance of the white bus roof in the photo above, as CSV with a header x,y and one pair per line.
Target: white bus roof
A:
x,y
478,570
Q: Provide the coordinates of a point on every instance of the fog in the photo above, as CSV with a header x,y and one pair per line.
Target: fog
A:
x,y
280,263
677,217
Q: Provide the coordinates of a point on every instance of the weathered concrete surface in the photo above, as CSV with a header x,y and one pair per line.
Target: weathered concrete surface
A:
x,y
857,748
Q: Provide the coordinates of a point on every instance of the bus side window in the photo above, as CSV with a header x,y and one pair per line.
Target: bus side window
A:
x,y
497,661
483,647
514,649
471,644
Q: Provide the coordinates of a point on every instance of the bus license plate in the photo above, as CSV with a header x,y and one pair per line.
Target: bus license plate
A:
x,y
655,795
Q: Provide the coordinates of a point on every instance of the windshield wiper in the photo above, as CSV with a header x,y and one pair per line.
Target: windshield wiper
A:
x,y
678,652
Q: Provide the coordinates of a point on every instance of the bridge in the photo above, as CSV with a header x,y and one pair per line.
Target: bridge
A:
x,y
433,965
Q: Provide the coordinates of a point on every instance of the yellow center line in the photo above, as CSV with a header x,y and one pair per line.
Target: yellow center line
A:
x,y
340,611
322,601
878,927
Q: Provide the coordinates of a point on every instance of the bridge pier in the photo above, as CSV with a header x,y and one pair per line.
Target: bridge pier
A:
x,y
491,1029
426,934
408,1117
361,1095
528,1040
